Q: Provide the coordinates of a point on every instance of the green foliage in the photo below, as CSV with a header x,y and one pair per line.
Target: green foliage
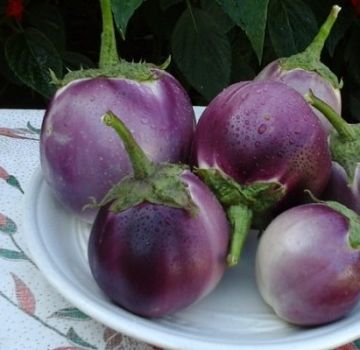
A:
x,y
30,55
213,43
123,10
199,46
250,16
292,26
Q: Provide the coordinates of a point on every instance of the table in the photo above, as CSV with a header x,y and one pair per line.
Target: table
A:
x,y
33,315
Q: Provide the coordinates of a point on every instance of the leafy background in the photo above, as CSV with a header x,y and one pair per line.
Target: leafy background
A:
x,y
213,43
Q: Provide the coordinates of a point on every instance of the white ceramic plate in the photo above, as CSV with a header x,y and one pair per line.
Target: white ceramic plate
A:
x,y
232,317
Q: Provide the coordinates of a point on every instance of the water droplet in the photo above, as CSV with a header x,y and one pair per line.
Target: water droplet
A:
x,y
262,128
257,144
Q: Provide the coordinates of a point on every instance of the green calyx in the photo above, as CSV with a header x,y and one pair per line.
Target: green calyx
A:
x,y
354,222
346,152
153,183
352,217
309,59
241,203
259,196
138,71
344,141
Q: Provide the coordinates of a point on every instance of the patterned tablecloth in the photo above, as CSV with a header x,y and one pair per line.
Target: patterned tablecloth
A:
x,y
34,316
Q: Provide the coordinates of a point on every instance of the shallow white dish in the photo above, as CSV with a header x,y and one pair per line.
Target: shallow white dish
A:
x,y
232,317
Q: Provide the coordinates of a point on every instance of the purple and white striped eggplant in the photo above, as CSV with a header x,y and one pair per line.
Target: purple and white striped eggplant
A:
x,y
305,71
160,239
257,144
82,158
308,263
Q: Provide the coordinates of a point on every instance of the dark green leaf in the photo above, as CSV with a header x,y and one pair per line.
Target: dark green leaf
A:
x,y
222,19
343,23
352,55
49,21
74,337
165,4
30,56
292,26
12,254
250,16
70,313
244,62
123,11
5,70
74,60
202,52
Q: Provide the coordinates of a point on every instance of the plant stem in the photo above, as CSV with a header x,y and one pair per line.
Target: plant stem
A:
x,y
142,166
318,42
240,217
343,128
108,49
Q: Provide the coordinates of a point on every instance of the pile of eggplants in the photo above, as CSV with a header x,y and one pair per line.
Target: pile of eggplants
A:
x,y
171,203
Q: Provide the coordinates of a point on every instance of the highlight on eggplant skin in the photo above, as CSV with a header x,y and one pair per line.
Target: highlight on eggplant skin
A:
x,y
81,158
306,267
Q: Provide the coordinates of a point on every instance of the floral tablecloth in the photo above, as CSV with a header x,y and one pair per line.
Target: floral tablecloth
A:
x,y
33,315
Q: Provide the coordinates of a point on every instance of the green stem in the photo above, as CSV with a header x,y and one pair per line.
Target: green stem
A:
x,y
141,164
108,50
316,46
240,217
343,128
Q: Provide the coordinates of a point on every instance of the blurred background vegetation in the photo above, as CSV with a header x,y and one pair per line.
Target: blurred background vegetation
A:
x,y
213,43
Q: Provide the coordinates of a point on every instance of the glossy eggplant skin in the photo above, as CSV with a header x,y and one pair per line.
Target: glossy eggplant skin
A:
x,y
264,131
153,259
302,81
305,267
81,158
339,189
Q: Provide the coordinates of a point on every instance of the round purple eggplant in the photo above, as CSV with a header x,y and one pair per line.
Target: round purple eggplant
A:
x,y
160,239
308,263
263,131
153,259
305,71
260,145
82,158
